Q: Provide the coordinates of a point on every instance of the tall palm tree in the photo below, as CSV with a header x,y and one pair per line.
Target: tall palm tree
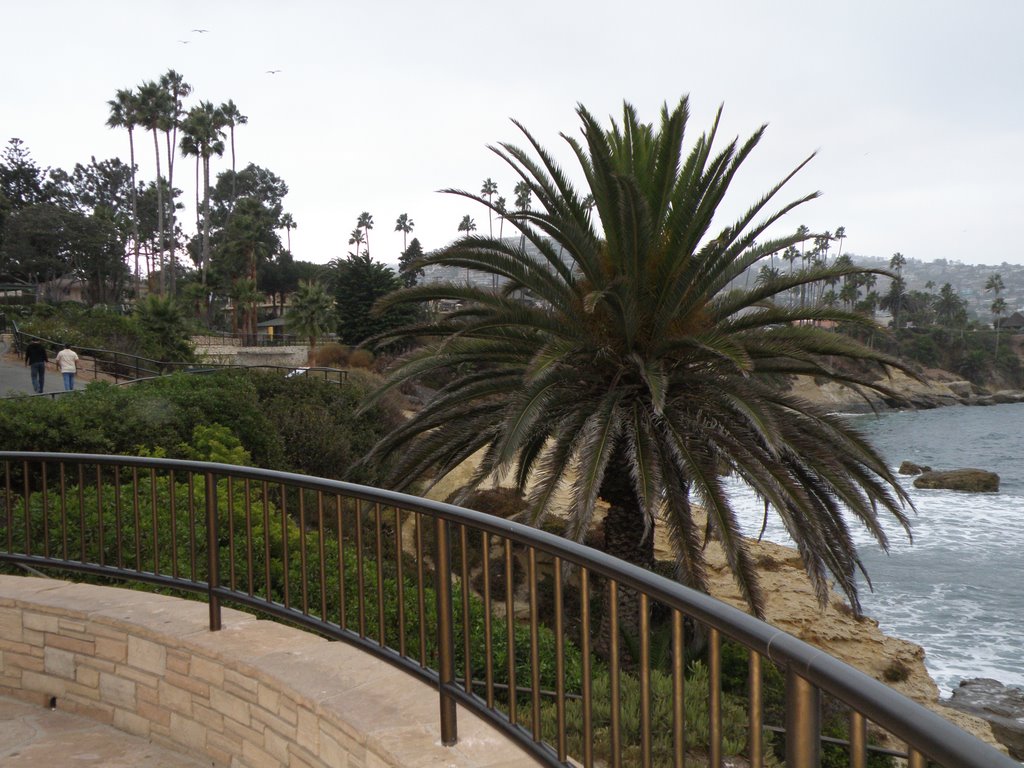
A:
x,y
840,235
190,148
500,206
489,190
996,285
636,376
123,114
310,314
523,198
203,128
154,104
897,295
803,233
468,226
356,238
233,117
365,222
288,222
177,89
404,225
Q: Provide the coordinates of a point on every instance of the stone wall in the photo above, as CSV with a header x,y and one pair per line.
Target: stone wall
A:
x,y
287,356
256,693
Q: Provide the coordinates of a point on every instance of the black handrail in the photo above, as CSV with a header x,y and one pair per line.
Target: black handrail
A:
x,y
809,670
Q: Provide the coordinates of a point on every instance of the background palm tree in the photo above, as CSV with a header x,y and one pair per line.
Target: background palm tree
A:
x,y
356,238
123,114
502,211
203,128
288,222
233,117
310,314
154,104
896,298
468,226
635,375
404,225
996,285
488,190
523,197
365,222
177,89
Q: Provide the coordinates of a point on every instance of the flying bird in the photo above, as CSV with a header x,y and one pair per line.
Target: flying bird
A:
x,y
200,31
184,42
273,71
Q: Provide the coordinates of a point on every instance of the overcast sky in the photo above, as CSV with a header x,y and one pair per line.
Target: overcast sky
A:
x,y
914,108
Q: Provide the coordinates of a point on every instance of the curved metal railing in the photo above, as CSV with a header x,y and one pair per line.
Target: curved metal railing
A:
x,y
502,618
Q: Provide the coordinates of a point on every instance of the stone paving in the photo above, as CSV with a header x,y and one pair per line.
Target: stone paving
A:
x,y
32,736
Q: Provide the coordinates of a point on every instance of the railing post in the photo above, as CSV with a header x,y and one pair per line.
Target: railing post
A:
x,y
212,551
803,722
445,639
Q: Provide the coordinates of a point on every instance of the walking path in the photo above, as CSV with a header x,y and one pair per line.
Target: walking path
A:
x,y
33,736
15,377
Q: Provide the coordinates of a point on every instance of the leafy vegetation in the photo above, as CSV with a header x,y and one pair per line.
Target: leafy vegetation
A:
x,y
293,424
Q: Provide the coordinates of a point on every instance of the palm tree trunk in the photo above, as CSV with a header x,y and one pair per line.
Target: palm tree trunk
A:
x,y
135,213
173,283
159,257
206,218
233,179
629,538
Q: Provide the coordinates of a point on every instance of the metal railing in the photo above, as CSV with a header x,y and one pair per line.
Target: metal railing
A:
x,y
500,617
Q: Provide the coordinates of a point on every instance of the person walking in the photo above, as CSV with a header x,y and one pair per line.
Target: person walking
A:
x,y
35,359
67,362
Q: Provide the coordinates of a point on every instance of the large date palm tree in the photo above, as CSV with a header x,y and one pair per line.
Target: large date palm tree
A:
x,y
634,374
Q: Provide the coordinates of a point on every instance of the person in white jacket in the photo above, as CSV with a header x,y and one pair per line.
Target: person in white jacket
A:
x,y
67,363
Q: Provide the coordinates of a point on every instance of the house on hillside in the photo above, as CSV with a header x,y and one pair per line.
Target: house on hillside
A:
x,y
1014,322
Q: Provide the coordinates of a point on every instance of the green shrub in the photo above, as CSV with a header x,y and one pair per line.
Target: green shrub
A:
x,y
161,413
320,429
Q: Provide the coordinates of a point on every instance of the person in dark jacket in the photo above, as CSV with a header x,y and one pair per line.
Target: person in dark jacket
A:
x,y
35,358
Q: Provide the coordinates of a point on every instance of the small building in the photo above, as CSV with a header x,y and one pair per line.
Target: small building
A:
x,y
274,328
1014,322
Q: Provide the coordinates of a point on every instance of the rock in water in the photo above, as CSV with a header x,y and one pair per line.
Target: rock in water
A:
x,y
973,480
1001,705
910,468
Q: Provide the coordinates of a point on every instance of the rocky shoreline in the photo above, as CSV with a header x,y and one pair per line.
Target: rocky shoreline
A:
x,y
937,389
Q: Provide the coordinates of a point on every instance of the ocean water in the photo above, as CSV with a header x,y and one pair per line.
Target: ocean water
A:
x,y
958,589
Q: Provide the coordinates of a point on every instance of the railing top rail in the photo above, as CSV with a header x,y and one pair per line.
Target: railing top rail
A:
x,y
929,732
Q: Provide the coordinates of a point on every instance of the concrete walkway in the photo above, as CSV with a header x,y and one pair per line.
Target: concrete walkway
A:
x,y
32,736
16,378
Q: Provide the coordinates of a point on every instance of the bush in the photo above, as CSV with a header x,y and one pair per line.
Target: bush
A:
x,y
360,358
161,413
332,355
320,429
